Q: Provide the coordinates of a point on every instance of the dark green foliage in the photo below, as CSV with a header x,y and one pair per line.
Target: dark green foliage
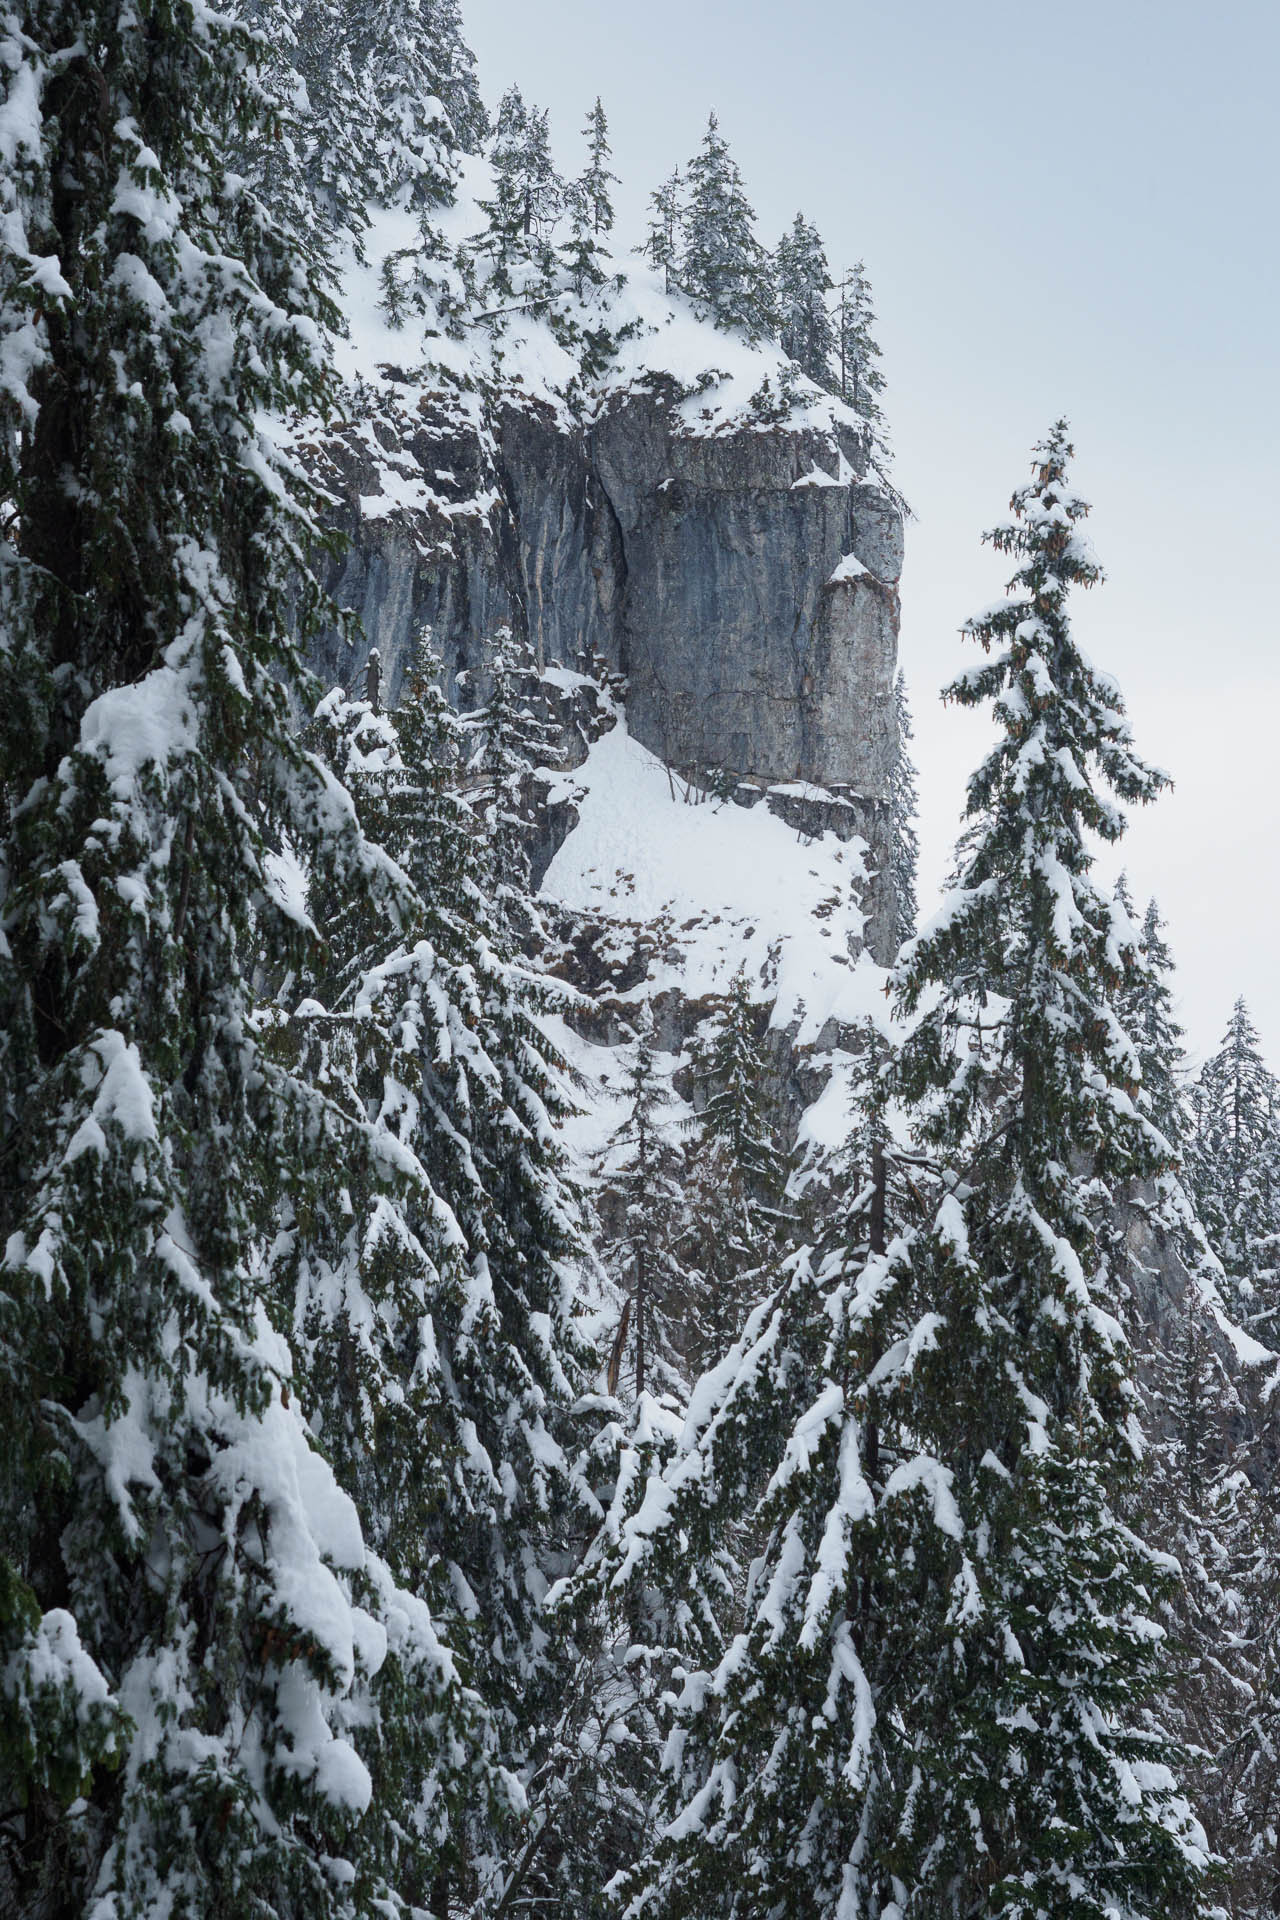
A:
x,y
801,283
664,238
644,1195
737,1180
904,842
164,1566
449,1373
1233,1166
861,380
939,1701
722,266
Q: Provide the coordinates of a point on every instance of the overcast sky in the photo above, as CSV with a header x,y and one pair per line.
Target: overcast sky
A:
x,y
1061,211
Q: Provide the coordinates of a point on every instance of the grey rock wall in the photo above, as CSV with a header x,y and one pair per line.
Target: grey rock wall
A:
x,y
699,565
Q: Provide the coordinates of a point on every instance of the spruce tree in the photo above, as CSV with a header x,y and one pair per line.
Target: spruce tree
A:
x,y
737,1179
778,1793
939,1700
904,842
801,282
449,1372
1041,1773
508,739
598,177
645,1199
663,245
1199,1504
1152,1024
527,201
1233,1165
192,1623
861,380
390,105
590,208
722,266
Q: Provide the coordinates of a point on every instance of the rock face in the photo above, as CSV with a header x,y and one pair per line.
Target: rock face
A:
x,y
744,581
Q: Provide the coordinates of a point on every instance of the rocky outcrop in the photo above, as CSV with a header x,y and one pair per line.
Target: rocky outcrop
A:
x,y
743,580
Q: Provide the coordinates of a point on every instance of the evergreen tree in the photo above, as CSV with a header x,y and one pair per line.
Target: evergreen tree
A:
x,y
778,1776
645,1197
663,245
598,178
1198,1503
939,1700
449,1372
390,105
1146,1013
528,199
192,1623
507,740
590,208
801,282
861,381
722,266
1233,1164
1046,1781
904,843
736,1180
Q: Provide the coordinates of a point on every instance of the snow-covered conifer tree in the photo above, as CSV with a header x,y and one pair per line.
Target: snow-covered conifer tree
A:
x,y
861,380
904,858
528,199
449,1369
192,1621
509,738
598,177
801,282
590,208
737,1177
663,245
779,1789
1039,1780
1153,1027
645,1196
722,266
390,104
940,1699
1233,1164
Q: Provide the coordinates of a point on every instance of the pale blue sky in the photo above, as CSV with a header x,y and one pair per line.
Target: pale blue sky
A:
x,y
1062,210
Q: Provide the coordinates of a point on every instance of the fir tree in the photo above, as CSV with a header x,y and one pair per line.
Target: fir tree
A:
x,y
737,1179
508,739
185,1589
861,381
801,282
391,105
1040,1775
528,199
449,1374
663,245
938,1703
1146,1013
904,843
1198,1504
722,266
645,1197
590,208
598,178
1233,1164
778,1779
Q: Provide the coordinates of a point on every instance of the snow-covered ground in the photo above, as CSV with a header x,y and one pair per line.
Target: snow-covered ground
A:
x,y
722,887
735,885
